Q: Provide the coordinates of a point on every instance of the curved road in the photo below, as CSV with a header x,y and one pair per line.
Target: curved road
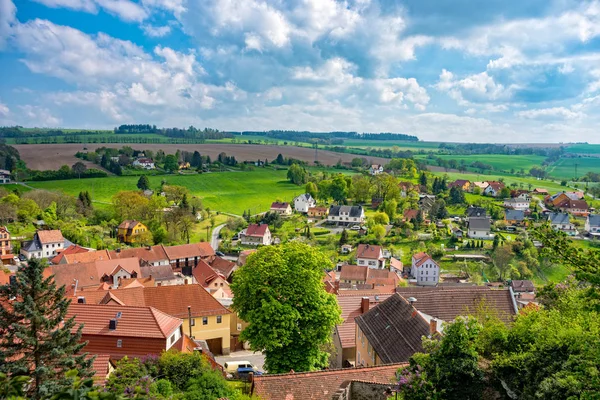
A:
x,y
214,241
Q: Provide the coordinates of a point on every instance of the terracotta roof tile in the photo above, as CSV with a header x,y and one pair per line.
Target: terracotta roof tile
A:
x,y
89,256
53,236
354,273
204,273
152,254
72,249
278,205
350,305
257,230
369,251
128,224
157,272
200,249
100,366
223,266
319,385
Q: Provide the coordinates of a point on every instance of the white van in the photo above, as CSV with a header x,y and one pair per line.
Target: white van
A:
x,y
232,366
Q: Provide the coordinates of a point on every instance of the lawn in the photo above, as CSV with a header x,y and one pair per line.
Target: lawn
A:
x,y
521,181
231,192
500,162
565,167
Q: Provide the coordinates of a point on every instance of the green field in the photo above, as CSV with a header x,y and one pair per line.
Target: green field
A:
x,y
508,179
584,148
500,162
231,192
565,167
401,144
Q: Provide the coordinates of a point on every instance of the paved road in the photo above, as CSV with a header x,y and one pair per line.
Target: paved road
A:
x,y
257,359
214,241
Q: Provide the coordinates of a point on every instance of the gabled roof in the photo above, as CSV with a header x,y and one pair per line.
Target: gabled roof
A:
x,y
395,329
522,285
53,236
354,211
481,224
421,258
157,272
73,249
458,183
203,273
411,214
150,254
350,304
594,220
305,197
109,267
516,215
318,385
200,249
539,190
279,206
89,256
89,274
354,273
100,366
141,322
369,251
222,266
476,211
573,204
559,218
497,186
128,224
257,230
447,303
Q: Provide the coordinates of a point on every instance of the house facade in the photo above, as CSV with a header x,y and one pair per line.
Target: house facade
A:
x,y
145,163
493,189
515,218
5,176
318,212
375,169
463,184
479,228
574,207
562,222
45,244
304,202
183,258
592,224
281,208
256,234
370,255
517,203
5,246
346,215
131,231
425,270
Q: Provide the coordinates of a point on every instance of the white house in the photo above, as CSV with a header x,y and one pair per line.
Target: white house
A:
x,y
281,208
145,163
256,234
592,224
493,189
370,255
375,169
4,176
346,215
303,202
425,270
562,222
45,244
479,228
517,203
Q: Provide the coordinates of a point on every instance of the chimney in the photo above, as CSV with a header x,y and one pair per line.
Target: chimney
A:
x,y
185,282
149,248
118,250
364,304
158,284
432,326
112,325
81,300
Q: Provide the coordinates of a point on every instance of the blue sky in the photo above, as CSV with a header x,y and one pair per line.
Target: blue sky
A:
x,y
448,70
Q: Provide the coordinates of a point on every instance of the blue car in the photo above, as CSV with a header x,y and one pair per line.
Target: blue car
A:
x,y
244,373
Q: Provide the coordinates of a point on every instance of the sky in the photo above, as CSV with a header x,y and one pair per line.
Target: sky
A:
x,y
502,71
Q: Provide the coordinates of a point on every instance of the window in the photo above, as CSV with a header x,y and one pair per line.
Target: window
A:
x,y
219,319
193,322
119,343
204,320
239,327
369,348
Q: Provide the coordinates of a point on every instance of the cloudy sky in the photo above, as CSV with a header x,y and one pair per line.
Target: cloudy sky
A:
x,y
450,70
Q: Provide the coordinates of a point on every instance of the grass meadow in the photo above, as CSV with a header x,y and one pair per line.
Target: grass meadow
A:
x,y
523,182
500,162
565,167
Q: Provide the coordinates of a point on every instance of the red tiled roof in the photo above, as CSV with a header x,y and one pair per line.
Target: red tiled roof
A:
x,y
368,251
88,256
257,230
574,204
53,236
150,254
73,249
100,366
354,273
128,224
278,205
411,214
396,263
496,185
141,322
222,266
203,273
350,305
200,249
319,385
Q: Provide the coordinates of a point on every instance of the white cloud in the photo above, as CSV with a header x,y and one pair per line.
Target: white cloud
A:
x,y
336,70
549,113
124,9
175,6
8,13
156,31
89,6
4,110
474,90
397,90
39,116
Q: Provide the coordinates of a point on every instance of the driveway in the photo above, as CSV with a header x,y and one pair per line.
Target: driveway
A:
x,y
256,358
214,241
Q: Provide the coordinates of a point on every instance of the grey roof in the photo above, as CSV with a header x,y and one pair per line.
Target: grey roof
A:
x,y
476,212
594,220
305,197
35,245
522,286
480,224
355,211
394,329
559,218
517,215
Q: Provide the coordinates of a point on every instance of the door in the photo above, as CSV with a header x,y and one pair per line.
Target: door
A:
x,y
215,346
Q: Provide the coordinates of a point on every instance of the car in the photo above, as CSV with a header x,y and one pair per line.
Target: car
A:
x,y
355,227
235,237
244,373
22,257
219,253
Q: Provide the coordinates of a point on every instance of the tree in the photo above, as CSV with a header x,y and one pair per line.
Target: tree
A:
x,y
338,188
297,175
390,207
505,193
279,160
280,293
423,179
457,196
343,237
196,160
378,231
171,163
361,188
381,218
36,337
78,168
501,258
129,205
143,183
312,189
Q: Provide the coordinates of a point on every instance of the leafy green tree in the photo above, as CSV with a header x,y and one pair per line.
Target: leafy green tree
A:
x,y
339,188
457,196
361,188
79,168
209,385
378,231
297,174
343,237
143,183
312,189
171,163
196,160
280,293
381,218
390,207
36,336
279,160
423,179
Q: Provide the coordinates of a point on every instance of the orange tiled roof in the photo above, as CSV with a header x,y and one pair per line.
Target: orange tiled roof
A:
x,y
319,385
151,254
53,236
201,249
222,266
88,256
369,251
73,249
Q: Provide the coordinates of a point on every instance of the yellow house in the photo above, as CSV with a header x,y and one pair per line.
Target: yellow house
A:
x,y
131,231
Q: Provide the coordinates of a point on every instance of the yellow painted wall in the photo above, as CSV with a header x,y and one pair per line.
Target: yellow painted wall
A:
x,y
362,348
212,330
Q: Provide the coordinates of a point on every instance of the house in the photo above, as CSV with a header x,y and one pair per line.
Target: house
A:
x,y
410,214
183,258
322,385
209,319
493,188
152,255
83,257
463,184
131,231
515,217
396,265
5,246
520,194
346,215
183,165
540,191
561,222
45,244
522,286
457,232
344,334
354,274
592,225
73,249
516,203
481,185
102,366
425,270
145,163
208,278
556,200
345,248
370,255
445,303
223,266
281,208
479,228
375,169
391,332
318,212
119,330
426,203
5,176
256,234
473,211
405,187
162,275
303,202
574,207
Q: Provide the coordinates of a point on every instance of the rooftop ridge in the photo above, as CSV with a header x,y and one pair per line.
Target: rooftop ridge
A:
x,y
331,371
